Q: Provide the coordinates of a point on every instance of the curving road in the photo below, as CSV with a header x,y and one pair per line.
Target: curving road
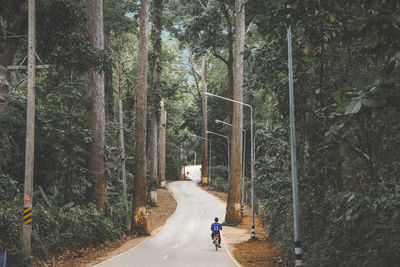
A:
x,y
185,239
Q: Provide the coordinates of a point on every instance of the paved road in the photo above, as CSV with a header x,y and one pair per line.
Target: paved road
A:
x,y
185,239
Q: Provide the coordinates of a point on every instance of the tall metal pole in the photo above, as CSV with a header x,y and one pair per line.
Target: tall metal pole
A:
x,y
30,133
296,216
253,235
227,139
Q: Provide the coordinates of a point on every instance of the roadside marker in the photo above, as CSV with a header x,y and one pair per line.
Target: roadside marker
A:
x,y
27,219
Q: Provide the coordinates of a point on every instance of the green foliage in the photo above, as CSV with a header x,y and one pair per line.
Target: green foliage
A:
x,y
11,231
346,86
219,178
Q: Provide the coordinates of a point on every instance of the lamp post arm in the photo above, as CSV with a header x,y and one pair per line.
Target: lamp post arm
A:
x,y
228,99
220,135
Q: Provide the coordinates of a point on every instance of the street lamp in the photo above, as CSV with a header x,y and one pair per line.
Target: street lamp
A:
x,y
253,236
227,138
244,157
209,154
295,189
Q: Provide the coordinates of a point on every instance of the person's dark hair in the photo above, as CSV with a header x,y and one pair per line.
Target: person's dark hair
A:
x,y
216,219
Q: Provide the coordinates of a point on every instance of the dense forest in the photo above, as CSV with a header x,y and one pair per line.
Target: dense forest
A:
x,y
346,66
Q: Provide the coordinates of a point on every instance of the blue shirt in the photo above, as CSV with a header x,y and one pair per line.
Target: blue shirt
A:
x,y
215,228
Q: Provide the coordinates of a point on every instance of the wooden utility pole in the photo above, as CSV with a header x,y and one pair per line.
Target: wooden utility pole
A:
x,y
204,158
139,220
233,207
162,139
30,133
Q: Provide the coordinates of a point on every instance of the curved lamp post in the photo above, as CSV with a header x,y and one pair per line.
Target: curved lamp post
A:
x,y
227,138
244,157
253,236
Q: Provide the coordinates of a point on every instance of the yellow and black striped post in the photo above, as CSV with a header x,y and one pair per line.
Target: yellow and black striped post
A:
x,y
27,216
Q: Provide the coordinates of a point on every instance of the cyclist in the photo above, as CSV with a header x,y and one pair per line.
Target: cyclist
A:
x,y
215,228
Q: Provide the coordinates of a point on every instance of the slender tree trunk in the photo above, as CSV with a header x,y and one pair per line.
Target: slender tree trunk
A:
x,y
108,85
204,168
233,208
162,145
30,133
153,156
95,116
156,36
139,220
195,75
122,144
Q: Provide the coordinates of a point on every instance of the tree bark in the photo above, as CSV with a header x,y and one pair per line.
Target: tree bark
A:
x,y
95,117
204,162
229,62
156,36
122,142
233,208
139,220
162,145
108,85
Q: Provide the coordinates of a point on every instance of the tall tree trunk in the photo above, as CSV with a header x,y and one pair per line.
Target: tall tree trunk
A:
x,y
139,220
230,78
233,208
162,138
229,62
156,36
95,116
204,163
8,58
108,84
122,138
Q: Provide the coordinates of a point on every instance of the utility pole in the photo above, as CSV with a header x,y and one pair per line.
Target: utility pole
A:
x,y
30,133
